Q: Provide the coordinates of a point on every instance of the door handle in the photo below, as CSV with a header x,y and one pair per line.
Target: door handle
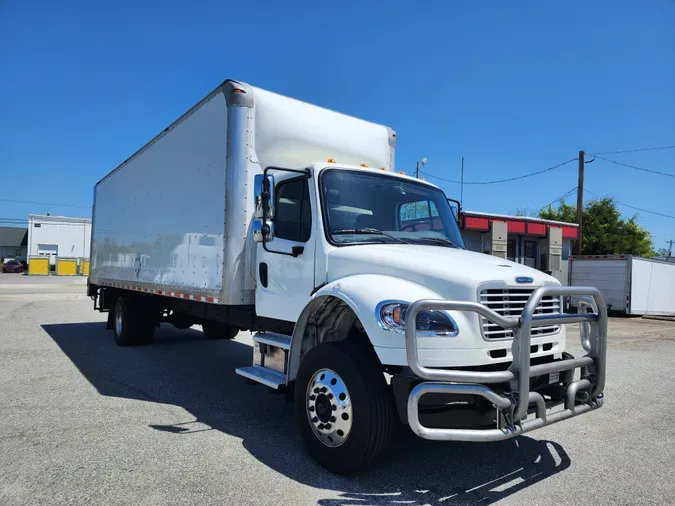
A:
x,y
262,274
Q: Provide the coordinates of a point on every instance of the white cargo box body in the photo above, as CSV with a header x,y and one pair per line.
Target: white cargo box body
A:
x,y
175,217
638,286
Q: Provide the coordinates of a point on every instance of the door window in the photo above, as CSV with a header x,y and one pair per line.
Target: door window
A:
x,y
293,218
51,250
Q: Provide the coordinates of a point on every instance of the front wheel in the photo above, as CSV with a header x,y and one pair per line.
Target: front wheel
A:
x,y
344,406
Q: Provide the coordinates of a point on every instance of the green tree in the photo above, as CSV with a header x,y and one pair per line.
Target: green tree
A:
x,y
605,231
565,213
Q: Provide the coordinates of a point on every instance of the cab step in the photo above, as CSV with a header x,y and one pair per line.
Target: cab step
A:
x,y
273,339
263,375
270,360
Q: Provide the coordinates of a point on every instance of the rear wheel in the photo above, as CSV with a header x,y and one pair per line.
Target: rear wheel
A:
x,y
217,330
344,406
133,323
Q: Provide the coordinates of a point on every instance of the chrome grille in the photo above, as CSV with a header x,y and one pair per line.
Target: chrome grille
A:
x,y
511,302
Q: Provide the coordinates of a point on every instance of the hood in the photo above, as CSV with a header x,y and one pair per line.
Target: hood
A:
x,y
442,269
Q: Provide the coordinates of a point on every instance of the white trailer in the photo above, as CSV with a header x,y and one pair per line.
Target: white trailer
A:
x,y
634,285
255,211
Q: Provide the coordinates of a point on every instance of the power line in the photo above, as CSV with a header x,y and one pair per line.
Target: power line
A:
x,y
632,150
501,180
562,197
635,167
633,207
43,203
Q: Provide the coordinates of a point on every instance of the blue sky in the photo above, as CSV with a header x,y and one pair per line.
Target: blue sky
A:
x,y
513,87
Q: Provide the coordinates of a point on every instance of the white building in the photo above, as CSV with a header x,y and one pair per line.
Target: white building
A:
x,y
58,236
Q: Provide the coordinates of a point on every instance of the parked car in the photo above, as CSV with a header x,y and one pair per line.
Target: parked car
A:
x,y
13,266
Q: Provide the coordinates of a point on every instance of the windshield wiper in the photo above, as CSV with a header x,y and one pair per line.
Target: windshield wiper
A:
x,y
437,240
367,231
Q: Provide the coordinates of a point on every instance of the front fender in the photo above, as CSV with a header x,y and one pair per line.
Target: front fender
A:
x,y
362,293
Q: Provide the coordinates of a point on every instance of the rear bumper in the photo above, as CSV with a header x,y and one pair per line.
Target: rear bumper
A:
x,y
509,392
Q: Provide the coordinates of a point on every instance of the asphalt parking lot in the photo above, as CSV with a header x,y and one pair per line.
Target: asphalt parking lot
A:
x,y
85,422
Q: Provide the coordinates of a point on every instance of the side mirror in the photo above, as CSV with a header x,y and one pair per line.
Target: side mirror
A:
x,y
263,231
456,210
264,196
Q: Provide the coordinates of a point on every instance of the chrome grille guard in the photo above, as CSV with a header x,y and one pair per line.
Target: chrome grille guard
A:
x,y
593,319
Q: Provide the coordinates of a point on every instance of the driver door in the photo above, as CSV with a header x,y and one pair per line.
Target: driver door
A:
x,y
285,281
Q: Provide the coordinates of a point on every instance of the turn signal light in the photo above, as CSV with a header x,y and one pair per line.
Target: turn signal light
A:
x,y
396,314
331,160
363,165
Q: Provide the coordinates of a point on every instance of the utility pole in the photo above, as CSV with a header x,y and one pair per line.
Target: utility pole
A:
x,y
670,248
580,201
461,186
423,161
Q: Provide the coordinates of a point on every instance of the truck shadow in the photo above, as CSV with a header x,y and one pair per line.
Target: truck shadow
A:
x,y
181,369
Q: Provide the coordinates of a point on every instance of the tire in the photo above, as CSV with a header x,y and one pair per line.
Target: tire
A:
x,y
371,406
132,323
180,321
217,330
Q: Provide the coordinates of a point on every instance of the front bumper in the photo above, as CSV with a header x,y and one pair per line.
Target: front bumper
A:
x,y
512,406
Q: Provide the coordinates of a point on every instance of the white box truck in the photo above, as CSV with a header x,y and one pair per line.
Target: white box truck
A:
x,y
258,212
633,285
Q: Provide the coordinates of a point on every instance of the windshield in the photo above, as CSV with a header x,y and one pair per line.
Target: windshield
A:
x,y
372,207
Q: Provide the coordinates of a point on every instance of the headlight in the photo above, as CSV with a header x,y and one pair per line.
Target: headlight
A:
x,y
391,316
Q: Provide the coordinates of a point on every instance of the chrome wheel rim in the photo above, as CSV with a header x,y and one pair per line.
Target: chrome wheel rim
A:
x,y
329,408
118,320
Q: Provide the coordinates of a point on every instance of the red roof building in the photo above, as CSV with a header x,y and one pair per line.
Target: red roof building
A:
x,y
542,244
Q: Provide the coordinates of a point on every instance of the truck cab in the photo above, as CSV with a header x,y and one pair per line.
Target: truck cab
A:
x,y
383,240
371,266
